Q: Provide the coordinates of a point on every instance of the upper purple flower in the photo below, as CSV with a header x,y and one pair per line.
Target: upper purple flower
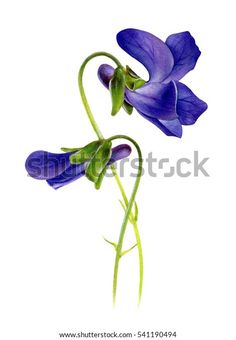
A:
x,y
163,100
57,170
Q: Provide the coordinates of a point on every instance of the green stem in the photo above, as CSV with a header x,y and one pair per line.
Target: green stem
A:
x,y
125,221
140,254
82,92
100,136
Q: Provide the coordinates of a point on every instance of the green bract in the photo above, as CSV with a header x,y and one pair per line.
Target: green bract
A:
x,y
96,168
85,153
132,80
70,149
127,107
97,154
98,183
117,89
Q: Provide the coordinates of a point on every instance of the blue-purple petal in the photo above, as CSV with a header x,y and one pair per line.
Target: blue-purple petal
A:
x,y
173,127
72,173
189,106
149,50
169,127
45,165
155,100
119,152
105,73
185,53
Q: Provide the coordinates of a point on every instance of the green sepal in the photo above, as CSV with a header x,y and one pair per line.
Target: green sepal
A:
x,y
70,149
132,80
130,72
85,153
138,83
98,183
127,107
117,89
98,162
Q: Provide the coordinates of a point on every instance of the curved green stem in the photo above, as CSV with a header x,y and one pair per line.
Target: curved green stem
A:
x,y
100,136
90,114
82,92
125,221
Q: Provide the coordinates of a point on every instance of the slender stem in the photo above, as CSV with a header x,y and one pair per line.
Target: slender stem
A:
x,y
140,254
82,92
124,196
125,221
136,232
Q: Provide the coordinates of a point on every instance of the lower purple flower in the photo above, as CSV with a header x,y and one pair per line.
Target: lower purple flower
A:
x,y
57,170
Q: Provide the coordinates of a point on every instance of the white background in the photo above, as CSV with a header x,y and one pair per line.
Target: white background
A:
x,y
56,270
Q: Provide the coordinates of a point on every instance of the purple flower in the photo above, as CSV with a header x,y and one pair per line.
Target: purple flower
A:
x,y
57,170
163,100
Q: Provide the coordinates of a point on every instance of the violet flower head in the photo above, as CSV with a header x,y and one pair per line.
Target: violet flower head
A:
x,y
162,100
57,170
